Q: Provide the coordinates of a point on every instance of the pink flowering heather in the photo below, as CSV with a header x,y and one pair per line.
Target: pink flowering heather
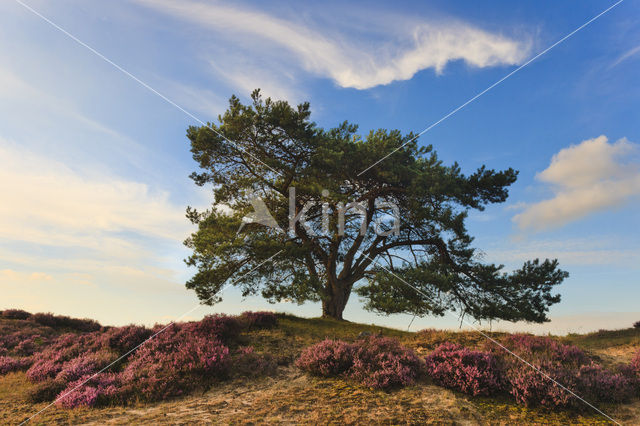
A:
x,y
381,363
214,327
26,347
9,341
569,366
48,363
471,372
9,364
635,364
124,339
592,382
175,362
20,342
328,358
598,384
544,348
44,369
377,362
84,365
258,320
531,388
632,372
22,339
98,390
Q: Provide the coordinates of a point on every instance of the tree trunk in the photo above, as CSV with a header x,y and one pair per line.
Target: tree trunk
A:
x,y
336,299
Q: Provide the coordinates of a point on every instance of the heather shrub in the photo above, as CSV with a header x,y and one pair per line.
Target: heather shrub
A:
x,y
84,365
468,371
48,363
9,341
214,327
9,364
531,388
124,339
46,391
98,390
29,345
48,319
258,320
591,382
538,348
569,366
381,362
599,384
61,321
174,362
376,362
43,369
635,364
328,358
248,363
21,340
18,314
632,372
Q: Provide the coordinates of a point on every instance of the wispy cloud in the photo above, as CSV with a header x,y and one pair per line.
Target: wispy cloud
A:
x,y
245,77
635,51
19,92
601,251
591,176
46,201
205,103
85,242
372,57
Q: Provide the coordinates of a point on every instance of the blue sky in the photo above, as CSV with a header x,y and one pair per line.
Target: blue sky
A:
x,y
95,167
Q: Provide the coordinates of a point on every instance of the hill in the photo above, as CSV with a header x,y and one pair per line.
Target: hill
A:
x,y
286,394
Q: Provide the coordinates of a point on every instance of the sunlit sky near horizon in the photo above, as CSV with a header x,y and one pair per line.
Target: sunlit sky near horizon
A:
x,y
94,167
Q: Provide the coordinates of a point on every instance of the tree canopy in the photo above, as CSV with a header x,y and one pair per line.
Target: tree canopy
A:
x,y
415,255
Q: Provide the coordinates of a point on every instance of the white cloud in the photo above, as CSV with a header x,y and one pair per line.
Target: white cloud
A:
x,y
600,250
626,55
350,60
203,102
18,91
47,202
8,274
87,244
274,85
591,176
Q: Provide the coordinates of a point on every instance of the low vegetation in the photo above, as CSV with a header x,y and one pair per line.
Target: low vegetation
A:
x,y
68,363
68,368
469,371
376,362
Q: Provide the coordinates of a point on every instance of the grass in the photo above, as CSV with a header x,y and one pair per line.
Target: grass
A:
x,y
604,339
292,397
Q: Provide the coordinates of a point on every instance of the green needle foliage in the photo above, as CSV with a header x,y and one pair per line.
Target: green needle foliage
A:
x,y
427,267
